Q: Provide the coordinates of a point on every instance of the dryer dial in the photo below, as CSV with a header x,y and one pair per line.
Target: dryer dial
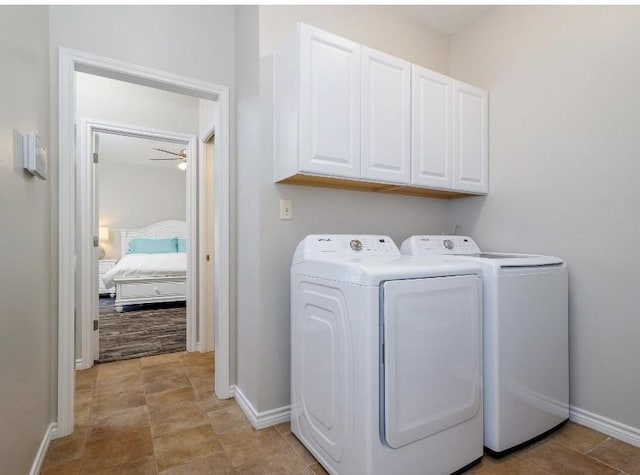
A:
x,y
356,245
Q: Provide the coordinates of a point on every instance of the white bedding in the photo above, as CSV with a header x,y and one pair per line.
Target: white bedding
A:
x,y
145,265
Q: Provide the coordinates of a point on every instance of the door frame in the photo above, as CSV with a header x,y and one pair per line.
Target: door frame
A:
x,y
70,61
206,341
88,222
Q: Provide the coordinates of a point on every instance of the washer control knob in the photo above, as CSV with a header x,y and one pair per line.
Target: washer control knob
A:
x,y
356,245
448,243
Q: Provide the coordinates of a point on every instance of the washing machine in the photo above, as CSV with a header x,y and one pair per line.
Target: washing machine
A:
x,y
386,373
526,341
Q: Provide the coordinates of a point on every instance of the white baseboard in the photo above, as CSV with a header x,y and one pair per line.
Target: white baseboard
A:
x,y
260,420
80,364
49,435
607,426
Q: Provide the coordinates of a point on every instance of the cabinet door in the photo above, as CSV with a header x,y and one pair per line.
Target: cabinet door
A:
x,y
329,104
386,136
471,137
432,129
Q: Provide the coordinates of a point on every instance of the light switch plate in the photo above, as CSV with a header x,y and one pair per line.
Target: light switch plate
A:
x,y
34,156
286,209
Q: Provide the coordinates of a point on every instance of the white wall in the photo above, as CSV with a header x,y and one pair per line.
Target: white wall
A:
x,y
207,117
130,104
132,196
564,111
28,316
381,27
264,377
192,41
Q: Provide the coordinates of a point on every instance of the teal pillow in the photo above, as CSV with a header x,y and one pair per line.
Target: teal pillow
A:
x,y
182,245
153,246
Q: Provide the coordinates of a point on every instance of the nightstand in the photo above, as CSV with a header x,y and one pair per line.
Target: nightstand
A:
x,y
103,267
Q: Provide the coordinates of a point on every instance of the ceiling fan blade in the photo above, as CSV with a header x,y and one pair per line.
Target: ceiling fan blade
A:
x,y
168,151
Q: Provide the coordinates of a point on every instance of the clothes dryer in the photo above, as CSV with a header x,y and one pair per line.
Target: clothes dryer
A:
x,y
526,342
386,357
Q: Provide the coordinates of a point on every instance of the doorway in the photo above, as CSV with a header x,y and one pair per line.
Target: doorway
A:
x,y
74,61
127,194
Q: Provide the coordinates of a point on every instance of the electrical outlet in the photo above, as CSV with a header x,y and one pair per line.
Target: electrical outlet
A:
x,y
286,209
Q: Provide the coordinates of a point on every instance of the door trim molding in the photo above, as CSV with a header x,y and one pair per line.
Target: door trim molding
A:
x,y
206,321
70,61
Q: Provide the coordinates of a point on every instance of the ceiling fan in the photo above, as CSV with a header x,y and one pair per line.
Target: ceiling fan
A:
x,y
181,156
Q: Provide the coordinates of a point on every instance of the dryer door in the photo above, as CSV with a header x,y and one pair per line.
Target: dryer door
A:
x,y
431,347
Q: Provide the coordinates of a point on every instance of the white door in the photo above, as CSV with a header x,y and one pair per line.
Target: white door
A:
x,y
432,359
471,138
329,104
431,129
386,105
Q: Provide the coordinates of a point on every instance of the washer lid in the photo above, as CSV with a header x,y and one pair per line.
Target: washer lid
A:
x,y
495,255
463,247
510,260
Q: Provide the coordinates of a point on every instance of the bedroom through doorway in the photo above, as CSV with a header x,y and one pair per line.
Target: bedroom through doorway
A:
x,y
141,177
140,188
78,231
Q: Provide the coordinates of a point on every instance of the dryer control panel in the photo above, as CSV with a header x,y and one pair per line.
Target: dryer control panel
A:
x,y
439,244
348,245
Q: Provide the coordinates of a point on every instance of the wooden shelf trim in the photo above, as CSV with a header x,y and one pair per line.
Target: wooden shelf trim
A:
x,y
357,185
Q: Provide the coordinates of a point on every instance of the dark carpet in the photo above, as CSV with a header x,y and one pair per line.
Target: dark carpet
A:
x,y
141,330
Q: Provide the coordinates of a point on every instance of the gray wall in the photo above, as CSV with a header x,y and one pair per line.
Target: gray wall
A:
x,y
246,327
564,111
265,320
28,318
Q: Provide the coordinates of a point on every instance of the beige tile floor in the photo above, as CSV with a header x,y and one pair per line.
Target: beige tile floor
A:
x,y
158,415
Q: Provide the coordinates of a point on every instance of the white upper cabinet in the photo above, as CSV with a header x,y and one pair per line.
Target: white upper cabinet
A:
x,y
386,106
329,103
317,104
470,143
348,116
432,129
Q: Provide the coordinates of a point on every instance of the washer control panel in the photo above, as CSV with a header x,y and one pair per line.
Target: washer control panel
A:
x,y
349,245
437,244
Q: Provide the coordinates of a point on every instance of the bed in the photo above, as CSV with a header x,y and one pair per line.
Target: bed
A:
x,y
150,275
